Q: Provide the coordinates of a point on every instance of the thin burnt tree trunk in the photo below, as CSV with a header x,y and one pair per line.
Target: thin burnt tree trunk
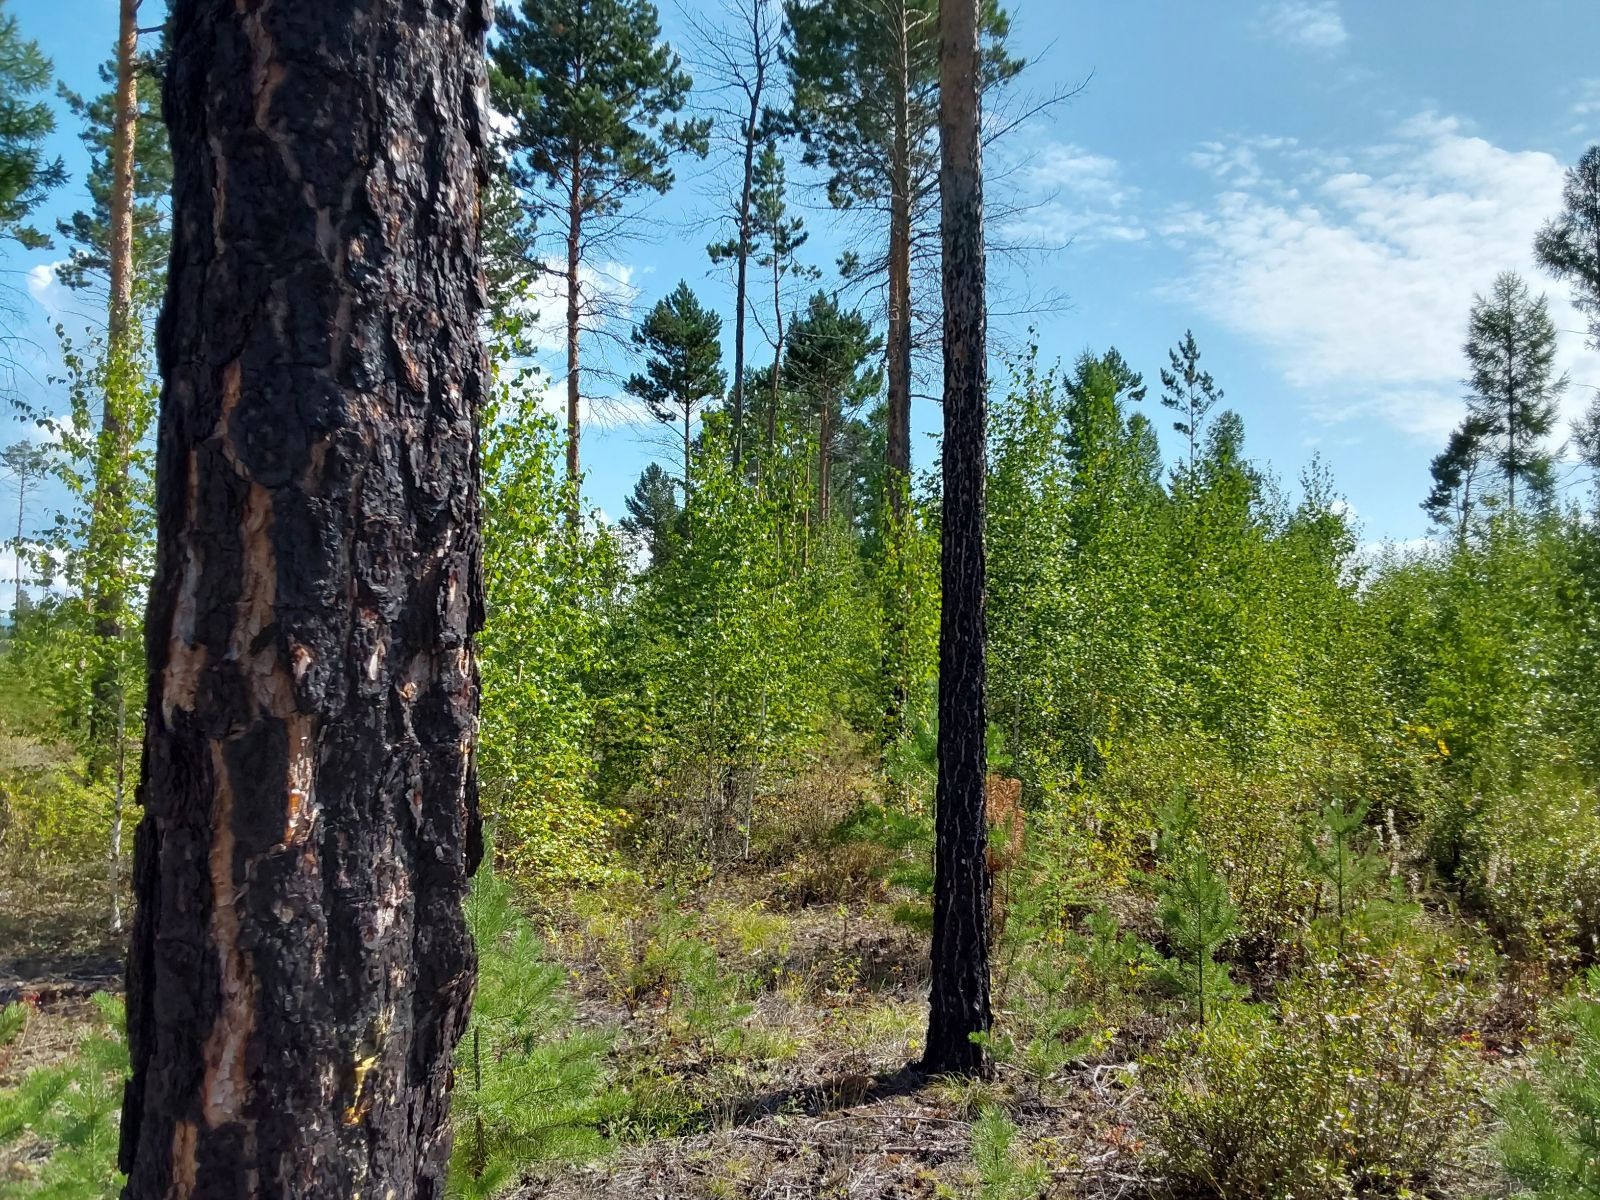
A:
x,y
300,969
959,1005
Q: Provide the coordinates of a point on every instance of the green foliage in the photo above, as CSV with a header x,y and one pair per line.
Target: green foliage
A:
x,y
1006,1169
590,88
683,362
58,1127
530,1087
744,647
88,231
27,176
1550,1145
1361,1082
544,654
1194,910
1511,350
1532,863
13,1020
1334,854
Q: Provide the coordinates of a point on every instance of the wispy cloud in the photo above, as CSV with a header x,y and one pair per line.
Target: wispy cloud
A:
x,y
1585,109
1305,24
1354,271
1071,194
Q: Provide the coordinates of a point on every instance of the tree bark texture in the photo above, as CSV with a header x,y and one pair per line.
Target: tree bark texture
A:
x,y
300,969
959,1004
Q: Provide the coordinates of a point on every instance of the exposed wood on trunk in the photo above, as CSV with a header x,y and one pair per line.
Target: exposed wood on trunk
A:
x,y
300,969
959,1004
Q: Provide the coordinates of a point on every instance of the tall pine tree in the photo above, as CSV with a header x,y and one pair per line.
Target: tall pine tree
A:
x,y
827,368
590,91
683,363
959,997
1190,393
1512,386
864,75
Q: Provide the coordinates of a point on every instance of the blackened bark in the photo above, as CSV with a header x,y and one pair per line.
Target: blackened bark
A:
x,y
300,969
960,995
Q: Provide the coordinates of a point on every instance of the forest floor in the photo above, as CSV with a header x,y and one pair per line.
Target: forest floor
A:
x,y
819,1096
803,1085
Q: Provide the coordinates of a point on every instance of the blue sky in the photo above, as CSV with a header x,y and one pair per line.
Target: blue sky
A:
x,y
1315,187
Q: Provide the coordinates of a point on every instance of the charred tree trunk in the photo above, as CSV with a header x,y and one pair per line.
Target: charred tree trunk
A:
x,y
108,514
960,995
300,969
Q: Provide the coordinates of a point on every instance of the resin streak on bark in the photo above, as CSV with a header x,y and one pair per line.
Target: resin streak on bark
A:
x,y
300,969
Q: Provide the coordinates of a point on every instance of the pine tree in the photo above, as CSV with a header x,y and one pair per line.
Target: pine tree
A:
x,y
1455,471
528,1089
1550,1144
590,91
1342,865
1193,907
1192,394
25,463
88,231
1569,245
300,968
742,61
959,998
653,513
27,175
683,363
1569,248
68,1111
776,239
864,75
827,368
1511,350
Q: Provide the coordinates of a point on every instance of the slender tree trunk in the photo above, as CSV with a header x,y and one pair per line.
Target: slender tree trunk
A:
x,y
300,969
22,502
824,465
108,513
777,357
750,139
118,789
688,416
574,312
959,1004
898,446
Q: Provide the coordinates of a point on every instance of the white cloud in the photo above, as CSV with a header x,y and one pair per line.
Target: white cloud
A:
x,y
48,292
1306,24
1071,194
1356,272
607,298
